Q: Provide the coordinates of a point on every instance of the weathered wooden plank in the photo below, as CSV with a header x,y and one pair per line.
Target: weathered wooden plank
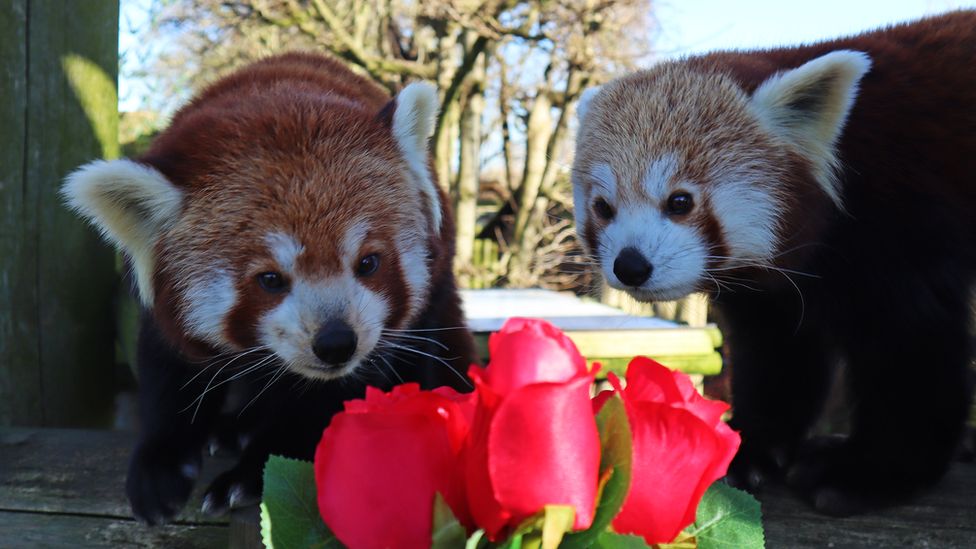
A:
x,y
72,118
40,531
79,472
19,376
47,473
945,518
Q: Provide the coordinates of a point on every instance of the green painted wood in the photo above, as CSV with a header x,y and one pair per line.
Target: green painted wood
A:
x,y
19,377
690,350
57,279
708,364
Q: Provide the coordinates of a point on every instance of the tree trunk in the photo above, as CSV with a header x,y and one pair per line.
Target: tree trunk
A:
x,y
466,199
538,131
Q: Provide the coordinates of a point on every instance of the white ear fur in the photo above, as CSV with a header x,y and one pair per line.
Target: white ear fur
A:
x,y
808,106
586,97
413,122
130,204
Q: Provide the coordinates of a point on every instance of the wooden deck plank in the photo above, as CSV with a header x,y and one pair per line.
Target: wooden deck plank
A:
x,y
58,485
40,530
943,518
77,472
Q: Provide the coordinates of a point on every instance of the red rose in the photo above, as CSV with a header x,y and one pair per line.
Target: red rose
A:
x,y
681,446
534,439
380,462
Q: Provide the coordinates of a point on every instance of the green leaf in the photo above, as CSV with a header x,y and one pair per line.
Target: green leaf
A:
x,y
289,510
728,519
447,532
616,445
609,540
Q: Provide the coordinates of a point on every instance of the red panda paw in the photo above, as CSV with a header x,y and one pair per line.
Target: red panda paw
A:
x,y
840,480
238,487
159,483
755,467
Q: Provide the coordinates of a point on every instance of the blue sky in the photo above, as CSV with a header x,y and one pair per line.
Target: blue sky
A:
x,y
695,26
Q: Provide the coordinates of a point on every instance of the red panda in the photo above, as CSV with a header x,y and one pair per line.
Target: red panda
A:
x,y
824,195
289,245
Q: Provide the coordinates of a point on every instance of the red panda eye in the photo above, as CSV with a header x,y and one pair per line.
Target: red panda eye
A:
x,y
680,203
367,265
272,282
603,210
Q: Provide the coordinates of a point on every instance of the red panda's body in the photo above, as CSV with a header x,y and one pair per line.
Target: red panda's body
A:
x,y
826,196
289,245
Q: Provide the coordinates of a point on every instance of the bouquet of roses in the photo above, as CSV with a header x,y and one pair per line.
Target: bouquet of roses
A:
x,y
528,459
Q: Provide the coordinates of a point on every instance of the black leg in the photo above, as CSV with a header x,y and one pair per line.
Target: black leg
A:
x,y
908,357
781,372
166,460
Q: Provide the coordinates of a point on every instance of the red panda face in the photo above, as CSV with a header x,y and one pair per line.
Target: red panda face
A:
x,y
293,228
680,175
311,259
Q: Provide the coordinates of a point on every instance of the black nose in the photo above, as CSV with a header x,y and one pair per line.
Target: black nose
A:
x,y
631,267
335,343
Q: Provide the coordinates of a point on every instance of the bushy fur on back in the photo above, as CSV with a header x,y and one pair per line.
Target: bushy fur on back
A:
x,y
287,223
824,195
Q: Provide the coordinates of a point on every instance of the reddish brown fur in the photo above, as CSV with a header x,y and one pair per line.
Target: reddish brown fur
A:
x,y
296,138
880,276
914,81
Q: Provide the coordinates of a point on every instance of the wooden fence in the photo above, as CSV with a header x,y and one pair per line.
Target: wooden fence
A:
x,y
58,109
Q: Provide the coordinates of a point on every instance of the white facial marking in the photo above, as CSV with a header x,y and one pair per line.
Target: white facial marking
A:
x,y
416,271
601,182
290,328
676,252
657,176
208,301
748,214
352,241
284,249
604,182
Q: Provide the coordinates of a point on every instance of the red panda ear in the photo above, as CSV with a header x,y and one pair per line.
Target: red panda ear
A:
x,y
586,98
413,118
808,107
130,204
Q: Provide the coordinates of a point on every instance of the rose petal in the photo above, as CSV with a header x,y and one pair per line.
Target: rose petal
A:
x,y
377,475
601,398
485,510
650,381
674,463
544,448
531,351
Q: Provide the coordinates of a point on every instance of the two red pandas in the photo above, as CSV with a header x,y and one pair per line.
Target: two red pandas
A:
x,y
825,195
289,245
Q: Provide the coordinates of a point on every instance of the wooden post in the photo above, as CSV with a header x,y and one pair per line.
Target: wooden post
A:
x,y
58,71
